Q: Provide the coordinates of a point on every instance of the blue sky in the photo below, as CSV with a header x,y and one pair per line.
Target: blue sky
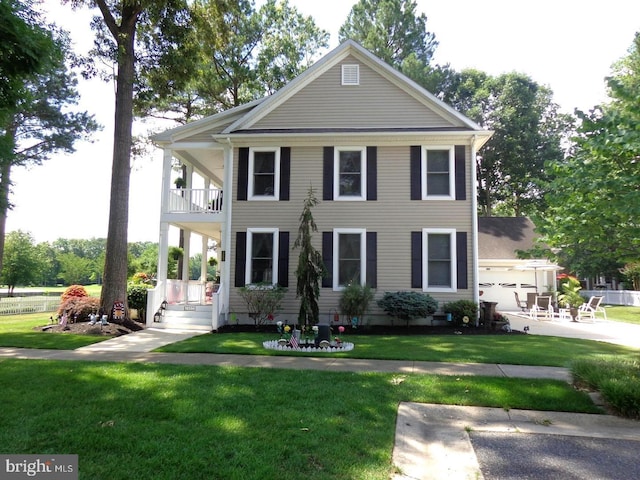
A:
x,y
568,45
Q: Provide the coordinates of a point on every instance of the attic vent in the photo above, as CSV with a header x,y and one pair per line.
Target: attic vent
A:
x,y
350,74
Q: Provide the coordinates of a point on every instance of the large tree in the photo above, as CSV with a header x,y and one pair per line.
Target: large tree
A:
x,y
21,265
391,30
594,198
529,131
237,55
136,36
42,119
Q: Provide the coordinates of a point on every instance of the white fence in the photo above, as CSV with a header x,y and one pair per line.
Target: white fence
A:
x,y
35,304
615,297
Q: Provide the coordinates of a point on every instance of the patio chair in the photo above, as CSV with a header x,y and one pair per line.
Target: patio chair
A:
x,y
589,309
541,308
521,304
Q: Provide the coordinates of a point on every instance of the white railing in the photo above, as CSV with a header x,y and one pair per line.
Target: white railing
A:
x,y
615,297
195,200
155,297
32,304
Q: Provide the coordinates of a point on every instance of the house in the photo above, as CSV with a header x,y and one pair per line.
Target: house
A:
x,y
390,163
501,272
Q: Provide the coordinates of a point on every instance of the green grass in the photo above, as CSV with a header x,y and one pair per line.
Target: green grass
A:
x,y
197,422
18,331
617,379
624,314
516,349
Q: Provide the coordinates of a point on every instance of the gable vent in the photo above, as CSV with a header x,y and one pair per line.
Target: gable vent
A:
x,y
350,74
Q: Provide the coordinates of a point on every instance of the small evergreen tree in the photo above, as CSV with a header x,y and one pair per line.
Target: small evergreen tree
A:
x,y
310,266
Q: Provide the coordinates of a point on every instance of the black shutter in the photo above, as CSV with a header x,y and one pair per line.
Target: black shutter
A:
x,y
327,173
327,258
416,172
243,173
285,172
416,259
372,259
461,256
283,259
372,173
241,258
461,183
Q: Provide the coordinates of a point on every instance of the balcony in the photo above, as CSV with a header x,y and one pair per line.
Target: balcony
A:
x,y
195,200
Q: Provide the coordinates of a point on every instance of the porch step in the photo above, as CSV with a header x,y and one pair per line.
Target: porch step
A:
x,y
189,317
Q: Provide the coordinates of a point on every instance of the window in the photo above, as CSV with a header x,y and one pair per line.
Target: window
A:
x,y
438,171
349,254
262,255
350,173
264,174
439,257
350,74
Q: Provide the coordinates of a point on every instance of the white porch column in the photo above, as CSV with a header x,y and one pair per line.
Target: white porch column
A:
x,y
225,234
187,254
163,247
204,264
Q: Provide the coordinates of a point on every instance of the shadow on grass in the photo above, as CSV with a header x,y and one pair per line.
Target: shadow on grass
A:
x,y
174,421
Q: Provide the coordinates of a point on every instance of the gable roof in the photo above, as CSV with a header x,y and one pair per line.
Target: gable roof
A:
x,y
242,120
500,237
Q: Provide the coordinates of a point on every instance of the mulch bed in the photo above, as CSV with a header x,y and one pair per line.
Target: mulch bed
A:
x,y
85,328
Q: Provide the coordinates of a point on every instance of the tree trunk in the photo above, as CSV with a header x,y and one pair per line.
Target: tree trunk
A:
x,y
114,288
5,185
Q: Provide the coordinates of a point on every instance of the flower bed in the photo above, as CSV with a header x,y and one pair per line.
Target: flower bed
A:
x,y
331,348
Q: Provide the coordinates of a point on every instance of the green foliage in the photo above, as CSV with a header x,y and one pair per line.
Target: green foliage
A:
x,y
569,288
617,379
137,296
355,300
528,131
263,301
408,305
632,272
391,30
460,309
310,265
594,201
20,265
234,54
74,291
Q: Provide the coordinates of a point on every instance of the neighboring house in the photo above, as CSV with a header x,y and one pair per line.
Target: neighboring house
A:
x,y
390,163
501,272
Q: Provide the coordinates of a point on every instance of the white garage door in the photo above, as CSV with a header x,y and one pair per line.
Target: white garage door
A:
x,y
499,286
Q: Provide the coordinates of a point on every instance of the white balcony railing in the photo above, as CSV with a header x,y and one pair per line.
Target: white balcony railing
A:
x,y
195,200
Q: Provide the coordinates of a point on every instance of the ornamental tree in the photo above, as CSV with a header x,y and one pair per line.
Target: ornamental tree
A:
x,y
311,268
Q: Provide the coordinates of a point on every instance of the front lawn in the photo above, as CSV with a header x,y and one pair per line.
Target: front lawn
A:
x,y
19,331
506,349
619,313
196,422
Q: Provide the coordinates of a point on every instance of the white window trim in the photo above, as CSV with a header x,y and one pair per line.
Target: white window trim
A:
x,y
363,174
249,250
363,255
425,259
276,182
452,174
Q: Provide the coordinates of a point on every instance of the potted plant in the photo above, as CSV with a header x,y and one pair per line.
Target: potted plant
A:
x,y
569,296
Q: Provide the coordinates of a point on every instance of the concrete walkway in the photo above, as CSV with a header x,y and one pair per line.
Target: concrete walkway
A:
x,y
432,441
